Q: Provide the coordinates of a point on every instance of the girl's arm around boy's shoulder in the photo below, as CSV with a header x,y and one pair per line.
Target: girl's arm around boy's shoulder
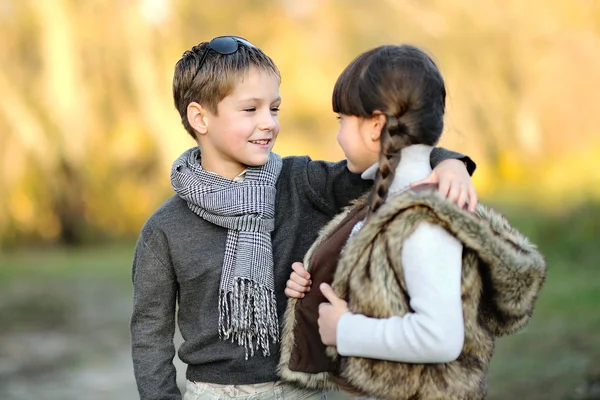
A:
x,y
153,317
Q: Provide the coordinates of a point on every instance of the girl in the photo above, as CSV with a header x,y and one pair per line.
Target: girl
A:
x,y
421,288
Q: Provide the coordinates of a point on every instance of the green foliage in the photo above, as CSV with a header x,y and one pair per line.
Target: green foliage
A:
x,y
557,356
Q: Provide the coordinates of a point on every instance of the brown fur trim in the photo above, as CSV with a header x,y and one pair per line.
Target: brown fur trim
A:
x,y
501,276
313,381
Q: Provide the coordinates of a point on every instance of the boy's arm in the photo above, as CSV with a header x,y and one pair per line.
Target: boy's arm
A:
x,y
439,154
153,319
333,186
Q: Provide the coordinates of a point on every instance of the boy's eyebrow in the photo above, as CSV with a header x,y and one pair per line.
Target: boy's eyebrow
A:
x,y
258,99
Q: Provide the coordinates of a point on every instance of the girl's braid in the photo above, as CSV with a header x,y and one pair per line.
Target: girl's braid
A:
x,y
394,137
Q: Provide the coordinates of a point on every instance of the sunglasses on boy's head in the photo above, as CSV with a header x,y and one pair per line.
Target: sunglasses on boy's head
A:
x,y
222,45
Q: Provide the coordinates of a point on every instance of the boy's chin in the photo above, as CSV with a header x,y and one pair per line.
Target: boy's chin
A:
x,y
257,161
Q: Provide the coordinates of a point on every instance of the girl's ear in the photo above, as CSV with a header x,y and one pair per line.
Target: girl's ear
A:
x,y
377,122
197,119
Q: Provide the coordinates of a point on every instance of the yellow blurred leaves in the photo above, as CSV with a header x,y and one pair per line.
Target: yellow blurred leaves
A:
x,y
21,208
30,216
88,130
510,167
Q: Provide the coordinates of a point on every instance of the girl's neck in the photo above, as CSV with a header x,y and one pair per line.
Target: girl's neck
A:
x,y
414,165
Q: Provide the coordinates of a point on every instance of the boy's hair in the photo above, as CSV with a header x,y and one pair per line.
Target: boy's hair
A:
x,y
216,78
404,84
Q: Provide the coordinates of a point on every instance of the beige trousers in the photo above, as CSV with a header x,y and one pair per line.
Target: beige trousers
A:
x,y
266,391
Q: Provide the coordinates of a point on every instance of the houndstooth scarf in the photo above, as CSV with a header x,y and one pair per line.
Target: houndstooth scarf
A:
x,y
247,307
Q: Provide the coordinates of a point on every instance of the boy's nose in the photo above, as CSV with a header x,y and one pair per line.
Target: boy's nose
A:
x,y
268,123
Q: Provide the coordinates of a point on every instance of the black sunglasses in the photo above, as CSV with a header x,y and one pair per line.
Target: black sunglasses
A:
x,y
222,45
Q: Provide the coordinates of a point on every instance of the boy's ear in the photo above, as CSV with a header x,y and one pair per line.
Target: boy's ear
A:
x,y
196,116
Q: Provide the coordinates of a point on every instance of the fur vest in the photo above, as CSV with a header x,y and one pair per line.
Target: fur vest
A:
x,y
502,273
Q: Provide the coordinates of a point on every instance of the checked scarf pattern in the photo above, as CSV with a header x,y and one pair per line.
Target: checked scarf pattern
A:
x,y
247,306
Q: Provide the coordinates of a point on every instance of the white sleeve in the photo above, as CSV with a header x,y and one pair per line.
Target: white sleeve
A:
x,y
434,331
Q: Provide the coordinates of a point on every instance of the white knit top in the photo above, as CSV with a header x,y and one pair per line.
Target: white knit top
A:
x,y
432,260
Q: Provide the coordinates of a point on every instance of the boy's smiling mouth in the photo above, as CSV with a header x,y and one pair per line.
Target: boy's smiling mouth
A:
x,y
261,142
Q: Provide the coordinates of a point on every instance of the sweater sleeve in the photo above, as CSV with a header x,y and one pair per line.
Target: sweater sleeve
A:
x,y
434,331
439,154
153,318
332,186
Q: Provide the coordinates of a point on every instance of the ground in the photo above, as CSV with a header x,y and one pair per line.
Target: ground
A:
x,y
64,320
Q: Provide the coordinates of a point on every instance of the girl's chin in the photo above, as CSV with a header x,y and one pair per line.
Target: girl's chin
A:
x,y
355,169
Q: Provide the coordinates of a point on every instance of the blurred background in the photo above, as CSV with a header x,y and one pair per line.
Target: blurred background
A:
x,y
88,132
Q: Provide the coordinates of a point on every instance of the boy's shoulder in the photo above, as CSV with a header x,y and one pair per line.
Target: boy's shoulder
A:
x,y
295,161
169,215
304,168
294,164
174,205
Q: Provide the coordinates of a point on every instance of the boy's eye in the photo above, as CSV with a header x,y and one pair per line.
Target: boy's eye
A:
x,y
275,109
250,109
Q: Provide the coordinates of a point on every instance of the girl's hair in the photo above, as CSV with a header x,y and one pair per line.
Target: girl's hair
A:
x,y
404,84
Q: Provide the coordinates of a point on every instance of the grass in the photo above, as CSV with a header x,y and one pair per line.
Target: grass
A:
x,y
110,261
557,356
64,323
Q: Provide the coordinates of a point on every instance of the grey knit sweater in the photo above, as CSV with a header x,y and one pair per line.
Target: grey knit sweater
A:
x,y
177,264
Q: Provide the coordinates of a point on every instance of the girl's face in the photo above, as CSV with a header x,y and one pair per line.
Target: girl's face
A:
x,y
359,139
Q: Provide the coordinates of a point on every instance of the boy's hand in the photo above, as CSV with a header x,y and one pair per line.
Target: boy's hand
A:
x,y
299,282
453,182
330,314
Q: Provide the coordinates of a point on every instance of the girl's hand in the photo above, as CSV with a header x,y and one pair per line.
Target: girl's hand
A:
x,y
454,183
329,315
299,282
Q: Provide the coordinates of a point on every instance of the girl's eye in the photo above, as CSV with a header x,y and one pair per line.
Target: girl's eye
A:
x,y
338,117
275,109
250,109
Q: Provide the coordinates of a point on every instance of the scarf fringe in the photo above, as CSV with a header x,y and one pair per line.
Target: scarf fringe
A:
x,y
248,316
247,305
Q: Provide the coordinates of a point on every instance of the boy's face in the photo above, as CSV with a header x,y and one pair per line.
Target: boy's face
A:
x,y
246,125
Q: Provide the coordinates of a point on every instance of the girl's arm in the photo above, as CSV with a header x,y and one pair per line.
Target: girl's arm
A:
x,y
434,331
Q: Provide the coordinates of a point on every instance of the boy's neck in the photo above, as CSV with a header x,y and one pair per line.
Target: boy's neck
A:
x,y
229,170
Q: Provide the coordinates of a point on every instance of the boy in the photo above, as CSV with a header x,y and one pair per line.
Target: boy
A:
x,y
221,249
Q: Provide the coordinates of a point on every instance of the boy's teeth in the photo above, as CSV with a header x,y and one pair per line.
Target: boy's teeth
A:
x,y
260,141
